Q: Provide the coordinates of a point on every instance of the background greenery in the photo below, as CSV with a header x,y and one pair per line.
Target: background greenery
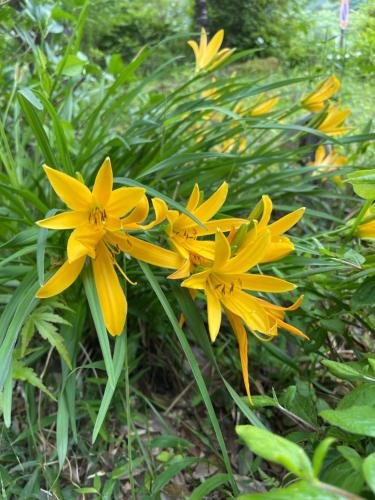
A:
x,y
76,88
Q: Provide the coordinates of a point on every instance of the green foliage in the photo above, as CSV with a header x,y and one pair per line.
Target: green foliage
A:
x,y
160,403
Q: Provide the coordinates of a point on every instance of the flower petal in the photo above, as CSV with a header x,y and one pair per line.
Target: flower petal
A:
x,y
285,223
103,183
222,224
248,255
65,220
72,192
263,283
248,309
241,335
222,251
213,313
196,281
161,211
193,199
111,296
123,200
212,48
267,210
62,279
139,214
212,205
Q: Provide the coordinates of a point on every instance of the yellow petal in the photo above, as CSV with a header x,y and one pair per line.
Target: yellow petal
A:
x,y
213,204
266,214
62,279
241,335
205,249
193,199
203,41
263,283
320,154
248,308
213,313
196,281
223,224
278,249
285,223
73,193
212,48
103,183
161,211
182,272
65,220
139,214
123,200
195,48
221,56
291,329
222,251
147,252
249,255
111,296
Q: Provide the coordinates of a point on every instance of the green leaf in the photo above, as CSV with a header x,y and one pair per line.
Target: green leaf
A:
x,y
276,449
357,419
262,401
320,454
71,66
27,374
365,294
346,371
298,491
62,429
49,332
166,441
208,486
362,395
363,183
368,468
172,470
27,333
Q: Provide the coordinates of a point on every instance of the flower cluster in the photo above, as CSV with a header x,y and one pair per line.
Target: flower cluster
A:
x,y
214,255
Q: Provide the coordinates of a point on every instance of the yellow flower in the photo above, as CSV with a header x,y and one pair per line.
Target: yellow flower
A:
x,y
98,219
264,107
333,121
366,229
183,232
237,144
330,160
209,55
280,245
225,284
315,101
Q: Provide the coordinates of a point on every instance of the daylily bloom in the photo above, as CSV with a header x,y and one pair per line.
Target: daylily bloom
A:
x,y
209,55
264,107
366,229
280,245
224,283
330,160
183,232
98,218
237,144
333,121
315,101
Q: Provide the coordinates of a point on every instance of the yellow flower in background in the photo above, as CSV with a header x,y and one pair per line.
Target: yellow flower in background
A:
x,y
366,229
238,144
208,54
183,232
225,284
262,108
99,218
280,245
315,101
333,122
328,159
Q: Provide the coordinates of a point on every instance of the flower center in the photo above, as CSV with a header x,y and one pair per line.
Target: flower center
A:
x,y
97,216
225,288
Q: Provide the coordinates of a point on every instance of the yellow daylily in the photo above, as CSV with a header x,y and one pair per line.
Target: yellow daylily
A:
x,y
280,245
238,144
316,100
183,232
264,107
330,160
208,54
333,122
225,284
367,229
99,218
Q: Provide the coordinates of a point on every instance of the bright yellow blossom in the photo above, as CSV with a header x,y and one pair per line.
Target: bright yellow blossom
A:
x,y
209,55
330,160
280,245
225,284
262,108
183,232
315,101
333,121
99,218
366,229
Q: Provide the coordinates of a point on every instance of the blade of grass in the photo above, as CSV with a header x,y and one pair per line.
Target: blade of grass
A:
x,y
194,367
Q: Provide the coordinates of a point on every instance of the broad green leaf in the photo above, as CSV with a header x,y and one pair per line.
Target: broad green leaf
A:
x,y
71,66
298,491
276,449
363,183
369,471
362,395
365,294
357,419
346,371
